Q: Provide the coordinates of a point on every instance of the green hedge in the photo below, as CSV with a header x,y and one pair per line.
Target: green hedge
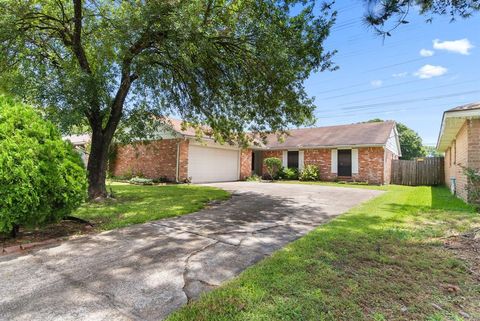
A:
x,y
42,178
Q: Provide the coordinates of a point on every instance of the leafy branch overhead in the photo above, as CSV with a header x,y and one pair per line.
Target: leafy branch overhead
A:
x,y
387,15
230,65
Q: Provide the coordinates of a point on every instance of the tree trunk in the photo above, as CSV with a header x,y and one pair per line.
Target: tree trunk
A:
x,y
15,230
97,165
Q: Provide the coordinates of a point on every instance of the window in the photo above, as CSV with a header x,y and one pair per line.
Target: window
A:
x,y
253,161
292,159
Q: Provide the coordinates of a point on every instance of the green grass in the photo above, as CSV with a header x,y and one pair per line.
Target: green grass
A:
x,y
337,184
383,260
138,204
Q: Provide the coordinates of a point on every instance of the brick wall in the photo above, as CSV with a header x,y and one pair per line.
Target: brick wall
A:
x,y
322,158
245,163
153,159
371,167
463,152
389,157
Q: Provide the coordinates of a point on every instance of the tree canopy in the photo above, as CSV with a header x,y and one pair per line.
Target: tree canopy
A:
x,y
231,65
410,142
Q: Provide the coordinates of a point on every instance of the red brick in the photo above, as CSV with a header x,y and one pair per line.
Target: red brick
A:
x,y
154,159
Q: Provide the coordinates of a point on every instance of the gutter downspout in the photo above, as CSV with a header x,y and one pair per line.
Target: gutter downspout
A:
x,y
177,165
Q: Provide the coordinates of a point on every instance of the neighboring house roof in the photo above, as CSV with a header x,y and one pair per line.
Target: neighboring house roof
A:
x,y
362,134
452,121
78,140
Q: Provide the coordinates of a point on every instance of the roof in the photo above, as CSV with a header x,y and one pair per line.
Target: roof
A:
x,y
78,140
470,106
452,121
362,134
176,125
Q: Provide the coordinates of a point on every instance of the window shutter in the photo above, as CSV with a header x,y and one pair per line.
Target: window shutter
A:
x,y
354,161
285,159
300,160
334,161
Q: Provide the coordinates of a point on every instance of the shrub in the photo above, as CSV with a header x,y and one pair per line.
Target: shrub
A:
x,y
310,173
273,165
288,173
141,181
253,178
42,177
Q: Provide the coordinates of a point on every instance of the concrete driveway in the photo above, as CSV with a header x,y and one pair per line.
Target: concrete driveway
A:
x,y
146,271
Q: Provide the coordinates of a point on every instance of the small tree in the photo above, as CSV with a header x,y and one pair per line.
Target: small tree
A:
x,y
42,178
273,165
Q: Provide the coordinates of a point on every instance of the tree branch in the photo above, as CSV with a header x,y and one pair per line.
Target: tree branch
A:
x,y
77,37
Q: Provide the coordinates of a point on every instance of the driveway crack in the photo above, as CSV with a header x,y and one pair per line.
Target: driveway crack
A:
x,y
186,282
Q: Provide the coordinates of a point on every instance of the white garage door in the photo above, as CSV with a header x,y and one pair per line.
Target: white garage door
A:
x,y
207,164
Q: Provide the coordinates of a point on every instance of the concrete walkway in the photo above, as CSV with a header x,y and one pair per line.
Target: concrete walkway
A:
x,y
146,271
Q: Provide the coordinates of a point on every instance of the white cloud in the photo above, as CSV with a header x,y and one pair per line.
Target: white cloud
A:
x,y
461,46
376,83
400,75
429,71
426,53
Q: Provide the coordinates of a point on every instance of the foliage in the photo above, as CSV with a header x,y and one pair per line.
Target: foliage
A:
x,y
253,178
273,166
383,257
141,181
288,173
473,184
387,15
310,173
410,142
42,178
229,65
134,204
431,151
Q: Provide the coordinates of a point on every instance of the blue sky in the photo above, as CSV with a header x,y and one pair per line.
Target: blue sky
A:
x,y
393,79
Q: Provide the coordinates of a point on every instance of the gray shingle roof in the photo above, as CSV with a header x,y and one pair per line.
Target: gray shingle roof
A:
x,y
362,134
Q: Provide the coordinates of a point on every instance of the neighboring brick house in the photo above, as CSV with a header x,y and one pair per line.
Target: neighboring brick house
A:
x,y
360,152
459,139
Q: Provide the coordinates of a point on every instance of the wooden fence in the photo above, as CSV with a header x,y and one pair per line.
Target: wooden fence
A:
x,y
421,171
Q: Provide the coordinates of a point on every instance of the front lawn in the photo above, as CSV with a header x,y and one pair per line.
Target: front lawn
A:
x,y
133,204
384,260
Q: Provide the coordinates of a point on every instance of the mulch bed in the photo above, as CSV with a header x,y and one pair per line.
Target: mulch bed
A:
x,y
52,233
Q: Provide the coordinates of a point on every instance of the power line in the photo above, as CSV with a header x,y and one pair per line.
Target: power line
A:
x,y
412,91
374,89
401,102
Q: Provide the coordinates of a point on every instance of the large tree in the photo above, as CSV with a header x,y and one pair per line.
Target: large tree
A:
x,y
410,142
387,15
232,65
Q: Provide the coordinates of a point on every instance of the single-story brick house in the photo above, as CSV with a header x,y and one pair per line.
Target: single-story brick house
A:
x,y
459,139
360,152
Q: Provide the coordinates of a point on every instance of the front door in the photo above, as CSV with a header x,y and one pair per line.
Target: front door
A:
x,y
345,162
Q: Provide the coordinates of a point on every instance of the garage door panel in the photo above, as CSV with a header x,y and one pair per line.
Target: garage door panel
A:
x,y
207,164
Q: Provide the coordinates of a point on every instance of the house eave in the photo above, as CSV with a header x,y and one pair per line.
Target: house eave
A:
x,y
344,146
452,121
